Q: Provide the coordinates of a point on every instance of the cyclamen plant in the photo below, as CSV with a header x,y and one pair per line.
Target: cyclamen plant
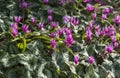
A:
x,y
61,39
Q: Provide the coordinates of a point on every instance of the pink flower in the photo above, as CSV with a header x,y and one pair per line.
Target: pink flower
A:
x,y
97,27
68,40
53,43
24,5
76,59
25,28
60,31
113,38
14,29
106,11
68,1
108,31
66,19
104,16
91,59
68,37
116,19
61,2
89,7
111,30
17,19
52,35
40,25
67,31
116,45
98,33
88,34
49,18
14,32
96,0
86,1
74,21
94,16
109,48
54,24
14,25
91,24
49,12
46,1
32,20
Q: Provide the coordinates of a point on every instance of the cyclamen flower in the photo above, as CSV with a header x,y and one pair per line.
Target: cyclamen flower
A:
x,y
67,1
111,9
101,3
52,35
109,48
59,31
106,11
74,21
76,59
14,32
32,20
116,45
91,59
46,1
116,19
105,31
89,7
67,31
53,43
96,0
108,31
49,18
118,30
94,16
86,1
24,5
25,28
88,34
54,24
98,32
49,12
61,2
113,38
68,37
17,19
111,30
14,25
66,19
118,22
40,25
104,16
97,27
68,40
91,24
14,29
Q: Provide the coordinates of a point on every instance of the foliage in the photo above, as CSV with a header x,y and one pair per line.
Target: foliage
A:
x,y
32,54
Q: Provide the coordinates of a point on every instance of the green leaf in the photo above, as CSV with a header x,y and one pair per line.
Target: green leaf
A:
x,y
91,73
22,44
